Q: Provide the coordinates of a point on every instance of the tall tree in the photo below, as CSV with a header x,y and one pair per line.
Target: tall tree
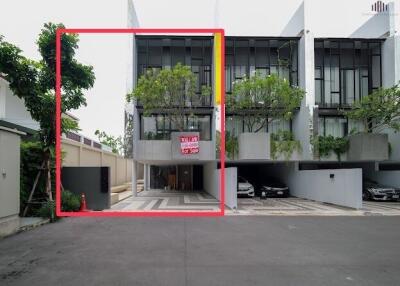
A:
x,y
34,82
170,90
260,100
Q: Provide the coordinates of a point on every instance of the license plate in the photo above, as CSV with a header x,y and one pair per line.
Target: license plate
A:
x,y
280,193
395,196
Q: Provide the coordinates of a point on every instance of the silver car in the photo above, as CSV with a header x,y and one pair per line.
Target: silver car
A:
x,y
245,188
375,191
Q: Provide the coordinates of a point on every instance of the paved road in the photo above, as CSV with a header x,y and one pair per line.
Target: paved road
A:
x,y
206,251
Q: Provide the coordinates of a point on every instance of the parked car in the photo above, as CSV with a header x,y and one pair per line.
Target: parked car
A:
x,y
273,188
245,188
375,191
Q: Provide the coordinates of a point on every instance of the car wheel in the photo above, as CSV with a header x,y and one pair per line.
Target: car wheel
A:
x,y
366,196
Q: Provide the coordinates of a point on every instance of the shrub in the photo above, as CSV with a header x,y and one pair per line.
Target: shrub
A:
x,y
328,144
48,210
283,142
31,160
69,201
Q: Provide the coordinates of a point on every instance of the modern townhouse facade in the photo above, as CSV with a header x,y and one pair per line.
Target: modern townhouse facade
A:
x,y
336,51
157,138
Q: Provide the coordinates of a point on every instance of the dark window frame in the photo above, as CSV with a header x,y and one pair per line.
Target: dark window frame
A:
x,y
357,65
167,44
252,48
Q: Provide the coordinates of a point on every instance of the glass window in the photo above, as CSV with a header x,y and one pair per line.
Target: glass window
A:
x,y
376,72
178,52
278,124
159,127
334,126
347,92
148,128
204,125
351,70
234,125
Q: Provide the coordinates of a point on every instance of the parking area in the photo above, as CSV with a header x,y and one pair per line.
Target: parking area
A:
x,y
296,206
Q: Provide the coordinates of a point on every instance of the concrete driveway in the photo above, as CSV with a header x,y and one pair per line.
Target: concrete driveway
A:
x,y
296,206
234,250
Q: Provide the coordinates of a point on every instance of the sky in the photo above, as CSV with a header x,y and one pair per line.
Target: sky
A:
x,y
21,22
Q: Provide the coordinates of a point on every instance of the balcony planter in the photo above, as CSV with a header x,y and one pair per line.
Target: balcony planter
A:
x,y
153,150
368,147
254,146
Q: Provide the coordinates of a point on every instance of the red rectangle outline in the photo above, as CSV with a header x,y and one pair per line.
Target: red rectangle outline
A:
x,y
153,213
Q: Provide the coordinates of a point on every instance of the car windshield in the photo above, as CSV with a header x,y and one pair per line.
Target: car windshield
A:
x,y
242,180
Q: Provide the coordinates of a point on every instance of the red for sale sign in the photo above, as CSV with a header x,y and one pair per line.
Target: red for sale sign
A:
x,y
189,144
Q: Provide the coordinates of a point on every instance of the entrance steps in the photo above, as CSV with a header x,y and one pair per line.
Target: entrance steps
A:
x,y
121,192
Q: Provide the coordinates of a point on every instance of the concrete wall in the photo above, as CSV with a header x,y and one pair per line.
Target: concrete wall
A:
x,y
364,147
84,156
345,189
167,150
9,180
253,146
211,183
211,179
231,183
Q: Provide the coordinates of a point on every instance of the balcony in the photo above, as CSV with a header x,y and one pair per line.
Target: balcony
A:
x,y
170,150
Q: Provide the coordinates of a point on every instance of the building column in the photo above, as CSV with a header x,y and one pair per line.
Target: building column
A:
x,y
134,178
391,67
303,123
146,177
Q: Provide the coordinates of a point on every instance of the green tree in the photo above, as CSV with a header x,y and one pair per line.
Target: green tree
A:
x,y
261,100
169,90
115,143
379,110
34,82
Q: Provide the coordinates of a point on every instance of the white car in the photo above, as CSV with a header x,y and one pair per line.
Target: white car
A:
x,y
244,187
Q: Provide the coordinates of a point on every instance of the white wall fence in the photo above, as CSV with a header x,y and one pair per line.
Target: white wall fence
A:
x,y
81,155
212,178
341,187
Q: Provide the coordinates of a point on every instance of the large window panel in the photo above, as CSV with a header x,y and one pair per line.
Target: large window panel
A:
x,y
178,52
347,70
278,124
335,126
347,79
376,72
234,125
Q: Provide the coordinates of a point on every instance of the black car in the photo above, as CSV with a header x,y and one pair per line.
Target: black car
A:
x,y
273,188
375,191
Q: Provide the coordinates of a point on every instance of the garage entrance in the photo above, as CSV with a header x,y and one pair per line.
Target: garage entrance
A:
x,y
177,177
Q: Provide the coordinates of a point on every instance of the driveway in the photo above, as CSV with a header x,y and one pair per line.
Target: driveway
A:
x,y
233,250
296,206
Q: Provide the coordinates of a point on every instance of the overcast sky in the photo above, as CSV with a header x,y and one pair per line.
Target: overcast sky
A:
x,y
21,22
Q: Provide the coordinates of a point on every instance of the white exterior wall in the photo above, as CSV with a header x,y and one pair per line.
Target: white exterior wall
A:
x,y
12,108
345,189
